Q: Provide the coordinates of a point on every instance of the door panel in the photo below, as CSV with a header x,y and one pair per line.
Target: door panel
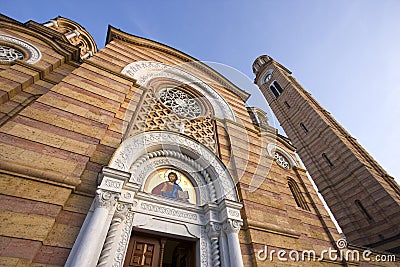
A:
x,y
143,251
146,250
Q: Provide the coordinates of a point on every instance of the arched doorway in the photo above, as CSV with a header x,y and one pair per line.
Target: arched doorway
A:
x,y
138,198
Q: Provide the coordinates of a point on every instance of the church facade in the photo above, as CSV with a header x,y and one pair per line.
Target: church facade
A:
x,y
139,155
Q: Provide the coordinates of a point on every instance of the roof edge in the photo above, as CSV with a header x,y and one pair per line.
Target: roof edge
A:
x,y
114,33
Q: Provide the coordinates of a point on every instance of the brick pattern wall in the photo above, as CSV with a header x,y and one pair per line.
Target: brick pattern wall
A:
x,y
52,150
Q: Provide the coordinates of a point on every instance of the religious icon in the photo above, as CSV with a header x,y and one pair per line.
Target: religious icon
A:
x,y
171,188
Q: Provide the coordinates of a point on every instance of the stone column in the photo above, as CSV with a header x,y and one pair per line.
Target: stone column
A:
x,y
51,23
87,55
87,248
231,228
224,250
214,230
109,251
91,242
73,34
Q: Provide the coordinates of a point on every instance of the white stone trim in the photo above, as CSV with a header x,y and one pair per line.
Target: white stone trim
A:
x,y
271,148
34,53
133,208
135,146
144,71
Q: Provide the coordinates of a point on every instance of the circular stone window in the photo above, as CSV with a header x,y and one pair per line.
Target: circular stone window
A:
x,y
181,102
281,160
9,54
12,48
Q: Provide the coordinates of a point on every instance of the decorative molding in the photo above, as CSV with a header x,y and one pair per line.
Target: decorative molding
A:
x,y
111,184
119,215
124,241
34,53
134,147
105,199
168,211
144,71
123,213
214,231
204,245
232,226
234,213
114,33
272,148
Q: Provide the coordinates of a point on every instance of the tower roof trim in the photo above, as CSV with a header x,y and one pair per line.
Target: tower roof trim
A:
x,y
262,60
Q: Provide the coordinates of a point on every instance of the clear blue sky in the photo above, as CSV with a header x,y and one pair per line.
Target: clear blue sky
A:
x,y
345,52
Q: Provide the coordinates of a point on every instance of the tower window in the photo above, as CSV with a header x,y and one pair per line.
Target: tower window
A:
x,y
327,159
304,127
297,195
276,89
363,210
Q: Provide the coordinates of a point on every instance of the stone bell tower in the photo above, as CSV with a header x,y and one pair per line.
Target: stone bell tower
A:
x,y
364,199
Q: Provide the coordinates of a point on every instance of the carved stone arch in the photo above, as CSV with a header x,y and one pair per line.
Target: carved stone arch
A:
x,y
121,207
271,148
145,71
139,148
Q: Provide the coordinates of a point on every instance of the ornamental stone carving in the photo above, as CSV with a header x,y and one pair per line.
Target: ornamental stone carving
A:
x,y
144,71
204,241
121,214
180,102
214,230
34,53
168,211
232,226
9,54
105,199
281,160
124,240
274,149
136,146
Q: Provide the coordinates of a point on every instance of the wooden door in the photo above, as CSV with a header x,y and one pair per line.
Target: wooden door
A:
x,y
143,251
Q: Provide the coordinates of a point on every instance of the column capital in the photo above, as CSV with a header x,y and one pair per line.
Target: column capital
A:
x,y
232,226
213,229
122,210
105,199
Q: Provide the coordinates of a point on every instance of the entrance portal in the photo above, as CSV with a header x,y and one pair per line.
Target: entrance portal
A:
x,y
159,251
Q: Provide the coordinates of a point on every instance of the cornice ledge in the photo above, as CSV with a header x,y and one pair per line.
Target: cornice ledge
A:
x,y
118,74
114,33
46,176
285,141
271,228
67,50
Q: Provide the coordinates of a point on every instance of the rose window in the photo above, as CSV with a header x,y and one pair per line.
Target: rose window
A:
x,y
281,160
180,102
9,54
